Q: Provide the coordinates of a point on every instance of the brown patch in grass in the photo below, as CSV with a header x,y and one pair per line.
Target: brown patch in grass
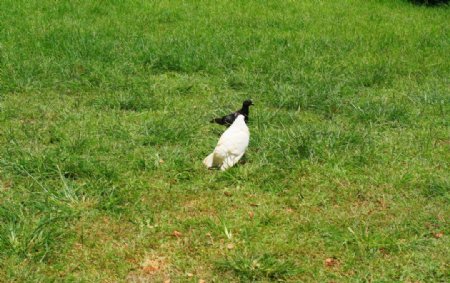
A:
x,y
331,262
151,269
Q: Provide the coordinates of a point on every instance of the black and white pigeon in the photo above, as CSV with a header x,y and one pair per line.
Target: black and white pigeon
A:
x,y
227,120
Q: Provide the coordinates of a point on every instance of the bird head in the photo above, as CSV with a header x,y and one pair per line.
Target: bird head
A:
x,y
248,102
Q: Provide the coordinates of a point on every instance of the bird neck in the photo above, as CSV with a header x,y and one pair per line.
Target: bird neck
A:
x,y
244,109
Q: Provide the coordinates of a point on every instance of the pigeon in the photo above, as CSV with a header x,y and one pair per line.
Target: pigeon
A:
x,y
227,120
231,146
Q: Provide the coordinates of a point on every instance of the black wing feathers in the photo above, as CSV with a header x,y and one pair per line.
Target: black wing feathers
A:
x,y
227,120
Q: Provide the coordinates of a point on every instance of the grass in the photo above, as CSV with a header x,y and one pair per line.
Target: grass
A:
x,y
104,110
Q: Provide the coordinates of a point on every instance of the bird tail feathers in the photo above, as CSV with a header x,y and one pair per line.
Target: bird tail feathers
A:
x,y
208,161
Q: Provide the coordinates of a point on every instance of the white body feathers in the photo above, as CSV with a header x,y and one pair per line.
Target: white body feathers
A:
x,y
231,146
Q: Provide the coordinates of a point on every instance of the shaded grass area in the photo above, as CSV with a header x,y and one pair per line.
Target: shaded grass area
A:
x,y
104,110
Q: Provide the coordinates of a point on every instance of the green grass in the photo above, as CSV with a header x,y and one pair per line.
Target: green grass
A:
x,y
104,110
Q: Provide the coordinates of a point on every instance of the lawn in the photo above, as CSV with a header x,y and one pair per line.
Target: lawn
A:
x,y
104,123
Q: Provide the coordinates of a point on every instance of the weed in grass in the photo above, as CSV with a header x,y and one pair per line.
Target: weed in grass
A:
x,y
437,187
256,268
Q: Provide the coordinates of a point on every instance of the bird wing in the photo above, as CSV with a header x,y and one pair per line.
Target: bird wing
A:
x,y
229,119
225,120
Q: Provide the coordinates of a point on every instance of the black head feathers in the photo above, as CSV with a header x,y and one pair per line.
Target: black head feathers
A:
x,y
247,103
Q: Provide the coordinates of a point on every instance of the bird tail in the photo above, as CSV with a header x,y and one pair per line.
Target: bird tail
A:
x,y
216,120
208,161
